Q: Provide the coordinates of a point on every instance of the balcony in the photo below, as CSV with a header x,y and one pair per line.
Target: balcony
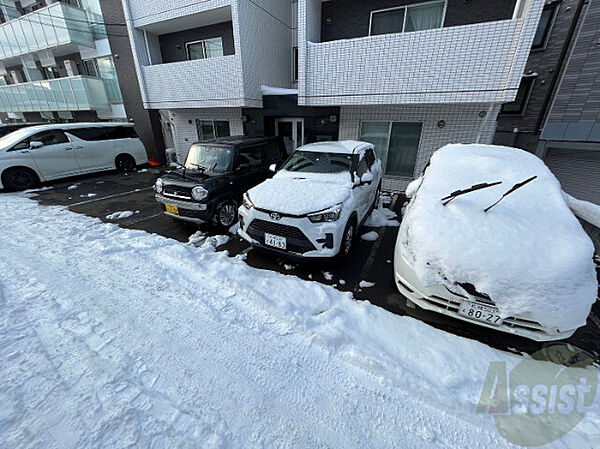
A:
x,y
56,25
201,83
461,64
76,93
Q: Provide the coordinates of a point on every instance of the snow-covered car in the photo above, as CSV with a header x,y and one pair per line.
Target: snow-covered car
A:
x,y
488,238
46,152
314,206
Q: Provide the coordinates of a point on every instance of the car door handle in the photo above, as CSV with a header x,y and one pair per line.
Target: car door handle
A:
x,y
68,149
78,148
25,151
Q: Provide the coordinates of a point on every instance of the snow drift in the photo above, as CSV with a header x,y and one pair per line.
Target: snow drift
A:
x,y
528,253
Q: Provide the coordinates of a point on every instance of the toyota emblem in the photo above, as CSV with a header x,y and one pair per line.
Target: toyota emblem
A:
x,y
275,216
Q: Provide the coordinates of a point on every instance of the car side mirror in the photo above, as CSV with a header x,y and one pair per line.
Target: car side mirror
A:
x,y
35,144
244,166
273,168
366,178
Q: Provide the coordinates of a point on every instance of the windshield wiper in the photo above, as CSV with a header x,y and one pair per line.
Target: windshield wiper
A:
x,y
182,167
199,167
473,188
511,190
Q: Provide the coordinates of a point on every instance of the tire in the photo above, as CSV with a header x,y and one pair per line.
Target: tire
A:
x,y
125,163
225,214
347,238
19,178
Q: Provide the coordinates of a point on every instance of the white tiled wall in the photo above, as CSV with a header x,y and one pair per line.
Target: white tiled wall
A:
x,y
185,133
265,41
463,125
481,62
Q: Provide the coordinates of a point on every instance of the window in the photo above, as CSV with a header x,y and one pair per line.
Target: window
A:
x,y
314,162
396,143
419,17
544,25
104,68
209,129
295,64
272,152
518,105
252,157
121,132
89,134
50,137
370,157
207,48
363,167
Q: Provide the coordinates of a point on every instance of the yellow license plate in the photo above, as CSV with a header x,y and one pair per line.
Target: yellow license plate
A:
x,y
171,208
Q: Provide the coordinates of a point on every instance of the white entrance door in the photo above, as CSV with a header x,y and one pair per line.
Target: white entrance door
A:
x,y
292,131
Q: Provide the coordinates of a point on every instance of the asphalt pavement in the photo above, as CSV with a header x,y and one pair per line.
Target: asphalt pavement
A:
x,y
102,194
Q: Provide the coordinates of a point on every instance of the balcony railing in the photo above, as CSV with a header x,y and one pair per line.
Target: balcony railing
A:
x,y
55,25
469,63
201,83
75,93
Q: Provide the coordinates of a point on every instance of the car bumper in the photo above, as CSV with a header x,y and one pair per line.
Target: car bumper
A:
x,y
188,210
438,299
304,239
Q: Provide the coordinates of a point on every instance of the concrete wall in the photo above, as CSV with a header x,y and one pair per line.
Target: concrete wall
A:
x,y
147,123
463,125
350,18
172,45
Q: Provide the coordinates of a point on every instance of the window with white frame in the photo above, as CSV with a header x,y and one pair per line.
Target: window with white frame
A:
x,y
422,16
206,48
210,129
396,144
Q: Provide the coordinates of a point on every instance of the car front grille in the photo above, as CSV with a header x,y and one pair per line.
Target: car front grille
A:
x,y
512,321
178,192
296,241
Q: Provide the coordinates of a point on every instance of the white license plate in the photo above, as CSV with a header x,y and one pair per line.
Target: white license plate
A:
x,y
479,312
275,241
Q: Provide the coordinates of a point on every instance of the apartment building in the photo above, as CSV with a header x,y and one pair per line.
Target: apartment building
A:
x,y
556,113
409,76
57,64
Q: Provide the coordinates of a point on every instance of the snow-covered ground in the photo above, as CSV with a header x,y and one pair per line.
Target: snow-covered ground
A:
x,y
116,338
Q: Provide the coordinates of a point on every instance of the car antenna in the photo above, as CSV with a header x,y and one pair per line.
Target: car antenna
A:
x,y
511,190
473,188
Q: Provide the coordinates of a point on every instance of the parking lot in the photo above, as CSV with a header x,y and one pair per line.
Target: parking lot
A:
x,y
104,194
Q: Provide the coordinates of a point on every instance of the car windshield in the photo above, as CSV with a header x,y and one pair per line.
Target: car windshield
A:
x,y
316,162
14,137
209,159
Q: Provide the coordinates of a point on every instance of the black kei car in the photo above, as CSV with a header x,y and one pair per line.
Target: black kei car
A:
x,y
216,173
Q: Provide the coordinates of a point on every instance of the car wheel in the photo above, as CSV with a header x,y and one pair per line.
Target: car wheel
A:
x,y
19,178
347,238
225,214
125,163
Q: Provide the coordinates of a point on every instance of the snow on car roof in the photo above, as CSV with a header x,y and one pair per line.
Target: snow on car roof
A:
x,y
341,146
528,253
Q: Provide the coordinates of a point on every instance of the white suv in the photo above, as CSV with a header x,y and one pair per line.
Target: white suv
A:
x,y
315,204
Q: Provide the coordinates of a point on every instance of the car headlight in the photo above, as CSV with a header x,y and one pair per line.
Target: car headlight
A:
x,y
331,214
158,185
246,202
199,193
